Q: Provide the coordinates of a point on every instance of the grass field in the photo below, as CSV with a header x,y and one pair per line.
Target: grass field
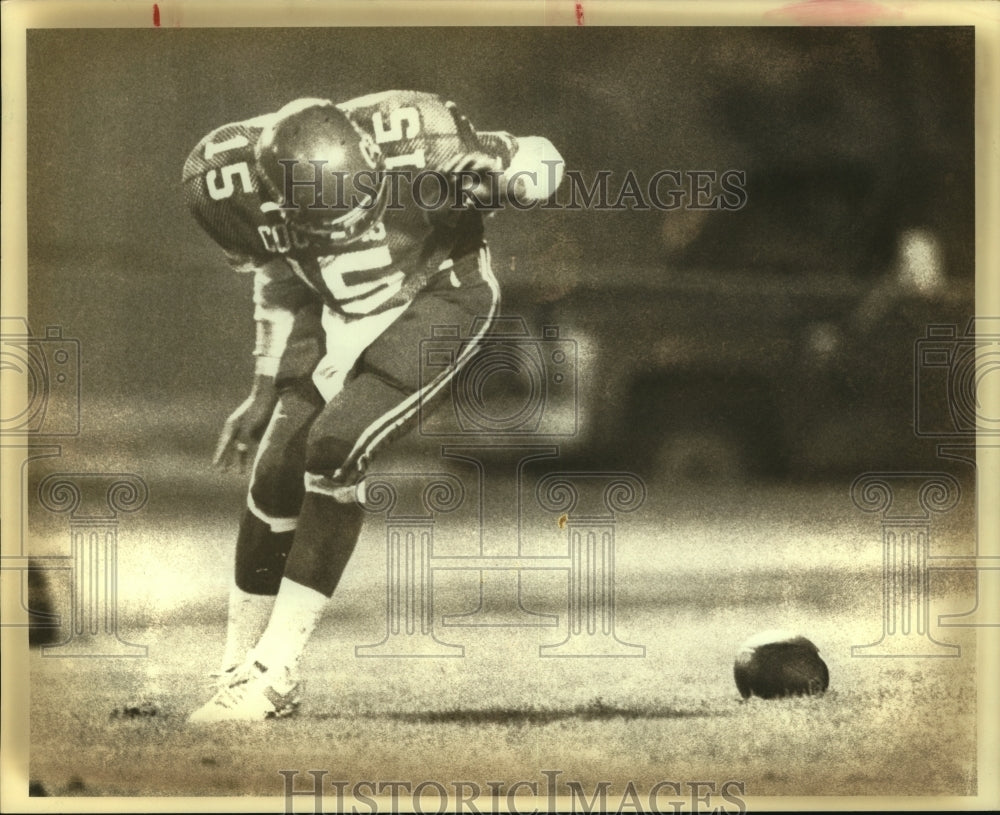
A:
x,y
698,570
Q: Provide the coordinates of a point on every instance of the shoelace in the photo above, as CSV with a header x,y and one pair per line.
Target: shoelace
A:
x,y
240,676
216,677
228,698
230,695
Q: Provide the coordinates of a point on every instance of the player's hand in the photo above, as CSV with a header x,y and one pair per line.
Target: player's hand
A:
x,y
245,426
475,173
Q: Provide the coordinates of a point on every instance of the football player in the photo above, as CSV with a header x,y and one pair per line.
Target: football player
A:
x,y
355,257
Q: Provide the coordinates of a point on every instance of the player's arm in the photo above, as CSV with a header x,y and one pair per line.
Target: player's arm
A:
x,y
531,168
501,167
278,300
224,196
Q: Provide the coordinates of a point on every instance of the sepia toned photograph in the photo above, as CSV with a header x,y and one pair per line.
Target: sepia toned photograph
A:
x,y
552,407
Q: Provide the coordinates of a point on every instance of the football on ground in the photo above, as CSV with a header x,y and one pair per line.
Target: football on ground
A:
x,y
773,664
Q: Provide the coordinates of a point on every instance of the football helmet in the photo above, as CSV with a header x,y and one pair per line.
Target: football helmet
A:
x,y
325,173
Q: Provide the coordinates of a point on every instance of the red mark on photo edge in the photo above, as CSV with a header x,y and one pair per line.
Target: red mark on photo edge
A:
x,y
579,13
834,12
156,15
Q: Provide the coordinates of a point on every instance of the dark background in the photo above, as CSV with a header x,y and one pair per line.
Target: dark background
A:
x,y
848,137
773,341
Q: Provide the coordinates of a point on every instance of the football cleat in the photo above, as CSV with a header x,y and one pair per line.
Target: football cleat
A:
x,y
252,694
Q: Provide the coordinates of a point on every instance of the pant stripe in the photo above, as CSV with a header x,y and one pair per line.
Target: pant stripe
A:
x,y
278,525
376,432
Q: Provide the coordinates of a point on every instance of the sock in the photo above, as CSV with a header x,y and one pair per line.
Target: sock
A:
x,y
297,610
247,616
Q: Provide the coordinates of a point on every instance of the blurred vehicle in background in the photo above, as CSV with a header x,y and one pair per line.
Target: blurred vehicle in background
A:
x,y
779,339
762,347
733,374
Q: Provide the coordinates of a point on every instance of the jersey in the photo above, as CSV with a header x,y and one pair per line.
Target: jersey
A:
x,y
415,131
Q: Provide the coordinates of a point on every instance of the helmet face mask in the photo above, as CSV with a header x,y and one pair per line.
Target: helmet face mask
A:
x,y
336,227
339,192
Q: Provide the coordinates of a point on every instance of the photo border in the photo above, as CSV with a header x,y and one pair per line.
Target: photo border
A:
x,y
20,15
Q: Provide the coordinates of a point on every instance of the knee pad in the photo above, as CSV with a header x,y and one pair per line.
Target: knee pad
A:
x,y
261,555
276,502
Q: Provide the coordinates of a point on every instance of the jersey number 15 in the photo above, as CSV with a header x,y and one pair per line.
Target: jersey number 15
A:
x,y
222,183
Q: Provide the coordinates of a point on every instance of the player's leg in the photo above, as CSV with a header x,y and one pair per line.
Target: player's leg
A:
x,y
383,397
268,524
311,576
266,684
274,503
390,388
